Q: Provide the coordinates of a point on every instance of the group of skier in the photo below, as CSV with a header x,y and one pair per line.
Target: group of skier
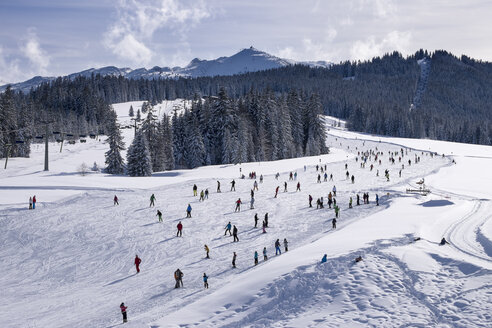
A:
x,y
32,202
232,230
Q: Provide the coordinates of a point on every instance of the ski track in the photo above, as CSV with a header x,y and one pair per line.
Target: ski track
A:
x,y
76,255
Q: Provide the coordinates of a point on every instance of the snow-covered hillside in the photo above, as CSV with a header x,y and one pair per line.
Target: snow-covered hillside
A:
x,y
246,60
69,262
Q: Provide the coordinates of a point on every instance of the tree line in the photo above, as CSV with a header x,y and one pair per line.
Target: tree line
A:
x,y
260,126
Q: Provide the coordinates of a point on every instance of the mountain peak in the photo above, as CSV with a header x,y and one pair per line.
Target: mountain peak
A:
x,y
246,60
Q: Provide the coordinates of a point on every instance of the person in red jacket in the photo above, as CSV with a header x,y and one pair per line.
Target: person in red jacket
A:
x,y
123,311
180,230
137,263
34,202
115,200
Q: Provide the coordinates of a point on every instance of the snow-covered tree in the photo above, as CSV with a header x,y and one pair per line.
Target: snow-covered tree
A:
x,y
131,113
166,132
114,161
195,153
138,158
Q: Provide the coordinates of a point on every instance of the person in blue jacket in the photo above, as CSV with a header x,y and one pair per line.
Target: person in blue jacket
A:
x,y
324,259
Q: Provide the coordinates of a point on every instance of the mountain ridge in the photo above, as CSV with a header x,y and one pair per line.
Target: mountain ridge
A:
x,y
246,60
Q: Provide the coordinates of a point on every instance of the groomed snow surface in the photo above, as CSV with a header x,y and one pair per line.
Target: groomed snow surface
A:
x,y
69,262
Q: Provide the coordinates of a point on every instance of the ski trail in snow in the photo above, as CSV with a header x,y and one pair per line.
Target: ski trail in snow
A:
x,y
462,235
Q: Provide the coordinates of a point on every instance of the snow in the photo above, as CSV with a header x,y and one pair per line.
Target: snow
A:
x,y
69,262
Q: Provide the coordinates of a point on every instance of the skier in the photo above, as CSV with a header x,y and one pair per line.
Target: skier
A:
x,y
159,215
334,223
256,258
264,226
233,185
234,260
295,175
337,210
266,219
324,259
238,205
218,186
265,257
202,196
252,193
152,199
277,247
325,177
251,203
276,192
350,202
205,280
137,263
180,230
330,201
347,175
353,179
195,189
206,193
298,187
234,234
188,211
358,259
286,244
123,312
207,250
33,202
30,203
319,179
228,229
443,241
285,186
115,200
358,200
331,177
255,185
178,276
334,191
261,178
256,220
310,201
377,200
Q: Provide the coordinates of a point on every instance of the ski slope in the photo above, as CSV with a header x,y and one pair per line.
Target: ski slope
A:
x,y
69,262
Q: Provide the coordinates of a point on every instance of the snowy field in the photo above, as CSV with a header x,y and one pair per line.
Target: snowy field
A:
x,y
69,262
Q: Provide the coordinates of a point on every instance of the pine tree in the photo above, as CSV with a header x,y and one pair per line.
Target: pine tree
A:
x,y
195,149
166,132
114,161
138,158
139,116
131,113
149,128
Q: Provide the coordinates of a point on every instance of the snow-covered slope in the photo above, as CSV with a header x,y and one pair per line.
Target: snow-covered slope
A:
x,y
69,262
246,60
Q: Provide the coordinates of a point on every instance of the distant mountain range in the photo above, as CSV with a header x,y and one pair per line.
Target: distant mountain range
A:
x,y
246,60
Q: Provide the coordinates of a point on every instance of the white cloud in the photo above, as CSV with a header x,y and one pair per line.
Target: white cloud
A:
x,y
371,47
37,57
311,49
130,37
9,69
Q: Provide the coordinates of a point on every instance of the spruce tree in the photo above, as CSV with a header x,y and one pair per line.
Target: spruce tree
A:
x,y
131,112
114,161
166,132
138,158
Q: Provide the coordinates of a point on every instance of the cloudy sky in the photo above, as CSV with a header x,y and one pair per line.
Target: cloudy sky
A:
x,y
58,37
